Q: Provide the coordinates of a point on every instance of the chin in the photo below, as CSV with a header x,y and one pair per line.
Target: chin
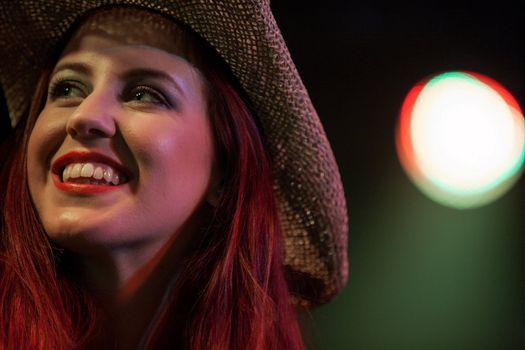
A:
x,y
79,234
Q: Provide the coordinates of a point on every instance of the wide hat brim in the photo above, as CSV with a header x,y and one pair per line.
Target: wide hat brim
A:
x,y
245,34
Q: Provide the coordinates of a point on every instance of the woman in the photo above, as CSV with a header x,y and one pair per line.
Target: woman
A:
x,y
139,206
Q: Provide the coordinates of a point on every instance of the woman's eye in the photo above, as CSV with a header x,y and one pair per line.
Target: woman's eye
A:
x,y
147,95
66,90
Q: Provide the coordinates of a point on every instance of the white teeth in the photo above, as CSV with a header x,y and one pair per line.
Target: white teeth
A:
x,y
115,179
108,174
66,173
87,170
99,173
75,171
96,171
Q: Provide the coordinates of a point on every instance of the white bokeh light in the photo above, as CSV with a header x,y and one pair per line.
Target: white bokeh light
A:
x,y
466,140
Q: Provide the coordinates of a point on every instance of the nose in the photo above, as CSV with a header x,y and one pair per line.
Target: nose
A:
x,y
92,118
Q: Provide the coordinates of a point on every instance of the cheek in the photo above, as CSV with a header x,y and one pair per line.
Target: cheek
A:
x,y
37,155
34,147
45,139
181,155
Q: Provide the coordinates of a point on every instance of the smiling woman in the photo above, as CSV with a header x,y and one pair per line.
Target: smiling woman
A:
x,y
151,198
135,114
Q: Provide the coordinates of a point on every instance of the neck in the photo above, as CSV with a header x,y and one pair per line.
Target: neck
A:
x,y
120,273
131,281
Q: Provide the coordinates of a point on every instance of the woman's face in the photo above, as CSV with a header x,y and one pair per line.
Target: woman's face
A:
x,y
123,151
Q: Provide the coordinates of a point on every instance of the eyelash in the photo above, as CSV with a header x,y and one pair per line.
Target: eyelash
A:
x,y
58,86
131,93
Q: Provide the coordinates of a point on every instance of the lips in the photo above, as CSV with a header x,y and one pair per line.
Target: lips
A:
x,y
88,172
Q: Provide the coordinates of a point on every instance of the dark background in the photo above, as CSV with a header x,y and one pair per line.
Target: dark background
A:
x,y
422,276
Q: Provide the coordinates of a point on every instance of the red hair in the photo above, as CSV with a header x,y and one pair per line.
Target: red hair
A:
x,y
243,300
39,309
231,292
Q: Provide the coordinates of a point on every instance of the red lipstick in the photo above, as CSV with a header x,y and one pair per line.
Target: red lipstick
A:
x,y
85,157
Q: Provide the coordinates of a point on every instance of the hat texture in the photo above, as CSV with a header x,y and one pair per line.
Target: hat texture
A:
x,y
245,34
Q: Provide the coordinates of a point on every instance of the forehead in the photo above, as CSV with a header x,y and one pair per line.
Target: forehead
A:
x,y
121,39
121,26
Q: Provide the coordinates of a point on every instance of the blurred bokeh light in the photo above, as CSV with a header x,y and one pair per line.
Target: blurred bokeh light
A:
x,y
423,275
461,138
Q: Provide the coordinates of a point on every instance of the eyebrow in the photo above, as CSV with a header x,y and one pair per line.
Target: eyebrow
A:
x,y
131,74
76,66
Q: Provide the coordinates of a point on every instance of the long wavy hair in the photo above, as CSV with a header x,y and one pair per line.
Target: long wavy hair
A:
x,y
231,292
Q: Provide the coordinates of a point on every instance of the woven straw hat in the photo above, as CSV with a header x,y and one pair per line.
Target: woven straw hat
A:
x,y
244,33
